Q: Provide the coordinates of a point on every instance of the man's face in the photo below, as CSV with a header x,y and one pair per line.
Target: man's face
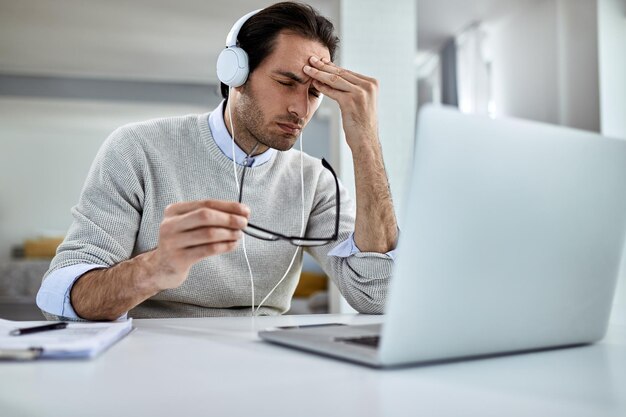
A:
x,y
278,100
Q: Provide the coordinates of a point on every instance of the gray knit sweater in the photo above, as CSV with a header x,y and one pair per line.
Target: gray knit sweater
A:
x,y
143,167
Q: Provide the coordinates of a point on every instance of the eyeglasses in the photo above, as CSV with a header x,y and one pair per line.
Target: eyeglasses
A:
x,y
265,234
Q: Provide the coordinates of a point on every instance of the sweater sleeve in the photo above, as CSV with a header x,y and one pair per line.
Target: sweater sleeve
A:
x,y
362,277
108,214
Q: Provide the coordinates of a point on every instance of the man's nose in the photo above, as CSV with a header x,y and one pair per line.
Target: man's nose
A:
x,y
299,105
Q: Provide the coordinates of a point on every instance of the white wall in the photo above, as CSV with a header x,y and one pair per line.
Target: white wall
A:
x,y
120,39
147,40
578,64
385,50
544,64
612,52
524,70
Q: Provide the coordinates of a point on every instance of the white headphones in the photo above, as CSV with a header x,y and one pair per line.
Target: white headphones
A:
x,y
232,63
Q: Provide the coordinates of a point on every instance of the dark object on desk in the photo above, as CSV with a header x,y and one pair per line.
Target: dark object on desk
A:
x,y
37,329
19,282
17,252
19,308
20,354
22,277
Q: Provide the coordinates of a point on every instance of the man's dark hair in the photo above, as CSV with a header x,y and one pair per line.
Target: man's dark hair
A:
x,y
258,35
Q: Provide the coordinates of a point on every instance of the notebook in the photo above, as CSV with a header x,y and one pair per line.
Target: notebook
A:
x,y
511,241
77,340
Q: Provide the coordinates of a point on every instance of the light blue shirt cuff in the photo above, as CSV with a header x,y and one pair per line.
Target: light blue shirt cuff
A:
x,y
349,248
54,295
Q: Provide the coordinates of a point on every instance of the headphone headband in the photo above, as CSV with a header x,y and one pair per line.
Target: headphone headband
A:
x,y
232,63
231,39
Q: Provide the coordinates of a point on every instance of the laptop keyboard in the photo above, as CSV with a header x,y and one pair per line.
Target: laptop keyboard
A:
x,y
370,341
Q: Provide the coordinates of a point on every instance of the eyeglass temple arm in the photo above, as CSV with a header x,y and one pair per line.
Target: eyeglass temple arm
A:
x,y
337,199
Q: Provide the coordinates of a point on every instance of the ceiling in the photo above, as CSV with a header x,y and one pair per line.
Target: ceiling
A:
x,y
168,40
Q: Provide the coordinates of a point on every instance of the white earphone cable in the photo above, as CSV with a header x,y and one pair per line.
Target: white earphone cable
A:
x,y
301,229
243,237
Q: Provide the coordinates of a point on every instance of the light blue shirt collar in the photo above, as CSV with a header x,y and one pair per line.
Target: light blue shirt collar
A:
x,y
223,140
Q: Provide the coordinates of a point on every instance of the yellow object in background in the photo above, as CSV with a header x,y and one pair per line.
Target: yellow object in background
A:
x,y
44,247
310,283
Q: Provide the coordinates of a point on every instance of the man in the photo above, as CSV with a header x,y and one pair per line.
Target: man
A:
x,y
157,229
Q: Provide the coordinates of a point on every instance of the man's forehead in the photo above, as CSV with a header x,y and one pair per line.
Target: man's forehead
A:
x,y
290,54
294,49
294,40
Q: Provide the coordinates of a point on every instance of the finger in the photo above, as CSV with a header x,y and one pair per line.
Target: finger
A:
x,y
328,90
204,217
208,235
334,80
196,253
326,65
358,76
225,206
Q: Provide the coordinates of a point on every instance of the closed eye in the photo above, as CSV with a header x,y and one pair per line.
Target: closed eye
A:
x,y
312,92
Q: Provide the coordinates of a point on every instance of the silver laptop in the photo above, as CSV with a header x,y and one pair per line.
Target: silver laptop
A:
x,y
511,241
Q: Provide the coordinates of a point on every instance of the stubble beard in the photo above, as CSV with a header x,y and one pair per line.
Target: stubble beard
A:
x,y
251,119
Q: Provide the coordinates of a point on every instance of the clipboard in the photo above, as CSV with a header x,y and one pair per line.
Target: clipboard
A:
x,y
77,340
20,354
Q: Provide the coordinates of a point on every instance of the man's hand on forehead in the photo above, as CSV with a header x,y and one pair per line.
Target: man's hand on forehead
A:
x,y
355,93
324,71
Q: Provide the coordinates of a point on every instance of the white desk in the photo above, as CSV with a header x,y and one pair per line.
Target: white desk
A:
x,y
218,367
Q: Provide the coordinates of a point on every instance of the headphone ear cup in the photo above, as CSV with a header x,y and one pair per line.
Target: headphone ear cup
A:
x,y
232,66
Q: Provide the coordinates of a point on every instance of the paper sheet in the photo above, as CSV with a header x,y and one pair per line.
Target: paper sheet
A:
x,y
78,340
